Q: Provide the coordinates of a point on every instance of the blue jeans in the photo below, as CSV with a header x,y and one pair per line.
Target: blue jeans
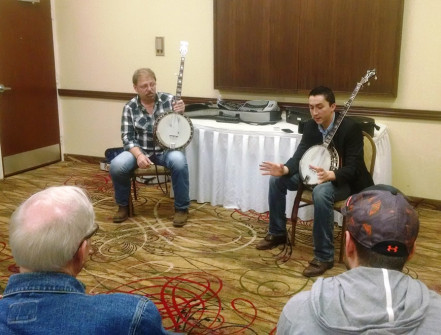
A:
x,y
124,164
324,195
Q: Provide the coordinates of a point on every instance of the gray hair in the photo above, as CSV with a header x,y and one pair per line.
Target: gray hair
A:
x,y
142,72
47,229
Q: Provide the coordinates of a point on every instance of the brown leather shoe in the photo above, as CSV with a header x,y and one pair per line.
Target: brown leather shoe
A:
x,y
121,215
180,218
316,268
271,241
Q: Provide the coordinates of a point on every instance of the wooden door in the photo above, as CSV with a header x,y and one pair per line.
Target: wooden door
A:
x,y
29,126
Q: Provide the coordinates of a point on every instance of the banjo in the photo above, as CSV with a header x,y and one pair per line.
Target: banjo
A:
x,y
173,130
324,155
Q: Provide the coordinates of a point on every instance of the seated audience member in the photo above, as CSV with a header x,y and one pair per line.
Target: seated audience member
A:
x,y
50,238
351,177
374,296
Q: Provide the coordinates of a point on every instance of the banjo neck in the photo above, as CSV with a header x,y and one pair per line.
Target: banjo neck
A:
x,y
365,79
183,49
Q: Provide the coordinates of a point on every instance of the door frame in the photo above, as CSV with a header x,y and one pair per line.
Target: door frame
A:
x,y
1,164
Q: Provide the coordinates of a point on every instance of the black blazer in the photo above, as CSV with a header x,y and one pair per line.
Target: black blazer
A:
x,y
348,141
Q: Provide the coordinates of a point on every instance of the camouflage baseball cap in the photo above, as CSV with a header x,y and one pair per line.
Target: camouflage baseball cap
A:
x,y
382,221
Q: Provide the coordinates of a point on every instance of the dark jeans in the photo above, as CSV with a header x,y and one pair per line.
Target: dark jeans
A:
x,y
124,164
324,195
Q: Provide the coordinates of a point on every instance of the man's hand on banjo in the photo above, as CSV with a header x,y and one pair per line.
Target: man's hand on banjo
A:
x,y
322,174
273,169
179,107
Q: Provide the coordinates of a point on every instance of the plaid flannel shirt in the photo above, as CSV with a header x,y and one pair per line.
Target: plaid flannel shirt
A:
x,y
137,125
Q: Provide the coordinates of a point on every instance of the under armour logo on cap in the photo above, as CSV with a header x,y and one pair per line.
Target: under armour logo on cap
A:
x,y
391,248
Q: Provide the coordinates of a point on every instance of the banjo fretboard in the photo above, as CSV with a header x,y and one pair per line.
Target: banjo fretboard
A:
x,y
183,49
348,104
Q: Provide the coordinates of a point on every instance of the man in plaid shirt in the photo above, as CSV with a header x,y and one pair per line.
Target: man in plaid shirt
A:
x,y
140,150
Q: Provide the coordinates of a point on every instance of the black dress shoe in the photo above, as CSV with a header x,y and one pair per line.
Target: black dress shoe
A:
x,y
317,268
271,241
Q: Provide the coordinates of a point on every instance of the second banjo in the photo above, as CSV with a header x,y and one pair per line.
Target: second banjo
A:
x,y
324,155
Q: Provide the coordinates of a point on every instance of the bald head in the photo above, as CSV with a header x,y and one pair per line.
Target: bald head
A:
x,y
46,230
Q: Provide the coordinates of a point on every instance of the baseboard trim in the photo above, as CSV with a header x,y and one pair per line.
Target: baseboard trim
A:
x,y
83,158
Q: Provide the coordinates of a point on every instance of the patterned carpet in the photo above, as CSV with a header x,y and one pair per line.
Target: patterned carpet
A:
x,y
205,278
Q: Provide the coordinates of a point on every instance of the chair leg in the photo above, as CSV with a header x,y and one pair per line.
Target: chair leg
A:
x,y
294,214
166,184
131,205
343,240
134,188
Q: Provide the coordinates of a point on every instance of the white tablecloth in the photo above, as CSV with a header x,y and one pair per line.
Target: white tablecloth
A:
x,y
224,161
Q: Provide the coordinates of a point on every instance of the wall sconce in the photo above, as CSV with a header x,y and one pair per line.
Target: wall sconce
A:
x,y
159,46
33,1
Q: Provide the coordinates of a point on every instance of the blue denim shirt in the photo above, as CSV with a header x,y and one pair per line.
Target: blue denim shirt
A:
x,y
56,303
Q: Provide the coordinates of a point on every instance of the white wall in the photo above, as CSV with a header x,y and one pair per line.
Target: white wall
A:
x,y
101,42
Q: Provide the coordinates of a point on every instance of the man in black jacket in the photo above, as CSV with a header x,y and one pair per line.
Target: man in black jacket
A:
x,y
351,177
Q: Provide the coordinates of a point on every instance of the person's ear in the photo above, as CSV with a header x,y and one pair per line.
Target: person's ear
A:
x,y
351,259
82,253
349,244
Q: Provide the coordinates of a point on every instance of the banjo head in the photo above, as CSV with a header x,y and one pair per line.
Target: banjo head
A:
x,y
173,131
320,156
